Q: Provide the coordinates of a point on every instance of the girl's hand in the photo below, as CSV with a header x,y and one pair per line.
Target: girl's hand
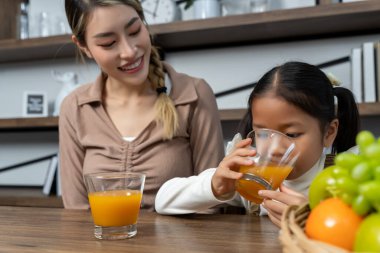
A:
x,y
277,201
223,180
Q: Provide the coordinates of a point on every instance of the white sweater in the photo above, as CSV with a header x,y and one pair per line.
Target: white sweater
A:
x,y
194,194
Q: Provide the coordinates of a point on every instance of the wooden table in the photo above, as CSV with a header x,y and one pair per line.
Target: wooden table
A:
x,y
30,229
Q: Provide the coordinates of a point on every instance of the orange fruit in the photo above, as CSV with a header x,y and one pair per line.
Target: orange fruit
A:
x,y
334,222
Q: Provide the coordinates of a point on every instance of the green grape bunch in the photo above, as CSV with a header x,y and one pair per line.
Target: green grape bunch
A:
x,y
355,178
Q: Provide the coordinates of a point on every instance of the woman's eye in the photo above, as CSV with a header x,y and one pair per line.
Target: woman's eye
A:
x,y
108,44
136,32
293,135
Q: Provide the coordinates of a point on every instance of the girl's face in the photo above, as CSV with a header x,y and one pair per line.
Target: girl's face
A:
x,y
119,42
275,113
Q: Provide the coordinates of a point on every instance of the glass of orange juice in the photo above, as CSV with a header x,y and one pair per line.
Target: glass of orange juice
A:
x,y
115,199
273,162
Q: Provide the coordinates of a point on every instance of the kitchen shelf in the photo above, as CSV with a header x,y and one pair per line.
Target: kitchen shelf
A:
x,y
43,123
365,110
27,196
331,20
46,123
369,109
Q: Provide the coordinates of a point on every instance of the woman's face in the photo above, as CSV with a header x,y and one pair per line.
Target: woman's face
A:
x,y
119,42
275,113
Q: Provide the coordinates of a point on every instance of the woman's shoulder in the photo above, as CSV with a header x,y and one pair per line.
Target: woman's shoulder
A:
x,y
72,102
78,93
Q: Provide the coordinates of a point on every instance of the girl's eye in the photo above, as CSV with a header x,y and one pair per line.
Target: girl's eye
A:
x,y
108,45
293,135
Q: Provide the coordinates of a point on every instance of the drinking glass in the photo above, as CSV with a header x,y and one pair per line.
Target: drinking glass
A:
x,y
115,199
273,162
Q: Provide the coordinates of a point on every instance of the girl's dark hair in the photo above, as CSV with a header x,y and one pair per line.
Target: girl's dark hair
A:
x,y
308,88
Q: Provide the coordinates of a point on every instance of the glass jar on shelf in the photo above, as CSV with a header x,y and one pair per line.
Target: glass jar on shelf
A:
x,y
207,9
23,20
236,7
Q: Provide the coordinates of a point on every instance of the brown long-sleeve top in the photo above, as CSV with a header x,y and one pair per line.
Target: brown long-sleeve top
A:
x,y
89,142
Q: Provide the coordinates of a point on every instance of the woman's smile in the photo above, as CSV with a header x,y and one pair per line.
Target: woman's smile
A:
x,y
134,67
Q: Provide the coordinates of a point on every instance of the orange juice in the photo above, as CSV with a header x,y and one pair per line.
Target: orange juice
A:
x,y
115,208
273,174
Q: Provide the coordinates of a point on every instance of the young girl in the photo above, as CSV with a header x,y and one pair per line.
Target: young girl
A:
x,y
296,99
140,115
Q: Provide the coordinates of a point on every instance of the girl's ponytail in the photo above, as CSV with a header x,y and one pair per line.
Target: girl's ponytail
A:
x,y
349,122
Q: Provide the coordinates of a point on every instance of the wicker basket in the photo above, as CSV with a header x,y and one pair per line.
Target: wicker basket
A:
x,y
293,238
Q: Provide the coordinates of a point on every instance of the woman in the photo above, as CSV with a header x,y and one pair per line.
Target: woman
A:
x,y
140,115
